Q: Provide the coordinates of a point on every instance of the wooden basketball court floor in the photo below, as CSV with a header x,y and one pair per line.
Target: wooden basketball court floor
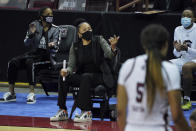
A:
x,y
21,123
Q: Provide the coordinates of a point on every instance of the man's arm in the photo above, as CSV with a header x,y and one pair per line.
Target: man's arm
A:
x,y
72,60
29,38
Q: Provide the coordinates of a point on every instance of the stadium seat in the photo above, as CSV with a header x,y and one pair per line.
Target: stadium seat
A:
x,y
17,4
72,5
100,5
36,4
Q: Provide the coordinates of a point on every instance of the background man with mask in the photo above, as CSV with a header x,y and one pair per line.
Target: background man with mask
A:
x,y
185,51
41,37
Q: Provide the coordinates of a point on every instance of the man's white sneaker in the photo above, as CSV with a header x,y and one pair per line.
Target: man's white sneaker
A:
x,y
85,116
61,115
31,98
8,97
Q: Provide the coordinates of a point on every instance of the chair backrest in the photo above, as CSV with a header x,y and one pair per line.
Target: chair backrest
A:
x,y
79,5
67,36
21,4
53,4
100,5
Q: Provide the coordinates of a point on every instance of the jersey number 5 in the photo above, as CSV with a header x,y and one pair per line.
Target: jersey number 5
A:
x,y
139,96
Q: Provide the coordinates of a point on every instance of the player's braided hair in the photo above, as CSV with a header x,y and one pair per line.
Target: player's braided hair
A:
x,y
153,38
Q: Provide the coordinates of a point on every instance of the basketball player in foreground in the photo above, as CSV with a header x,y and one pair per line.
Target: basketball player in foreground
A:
x,y
147,86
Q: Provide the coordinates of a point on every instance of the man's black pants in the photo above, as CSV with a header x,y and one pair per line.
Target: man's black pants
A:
x,y
29,61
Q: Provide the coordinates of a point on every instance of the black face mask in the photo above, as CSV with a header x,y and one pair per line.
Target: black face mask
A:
x,y
87,35
48,19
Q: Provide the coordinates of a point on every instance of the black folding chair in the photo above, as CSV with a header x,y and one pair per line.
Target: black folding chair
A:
x,y
101,94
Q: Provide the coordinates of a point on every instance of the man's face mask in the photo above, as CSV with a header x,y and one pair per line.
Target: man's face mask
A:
x,y
48,19
186,22
87,35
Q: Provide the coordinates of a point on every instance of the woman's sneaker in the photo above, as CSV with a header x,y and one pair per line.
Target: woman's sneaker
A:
x,y
85,116
186,105
31,98
61,115
8,97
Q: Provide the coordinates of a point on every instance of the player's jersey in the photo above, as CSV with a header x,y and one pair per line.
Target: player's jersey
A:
x,y
183,35
132,77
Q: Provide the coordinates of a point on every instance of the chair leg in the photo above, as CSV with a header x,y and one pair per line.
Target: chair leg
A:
x,y
73,109
46,92
113,112
44,87
102,108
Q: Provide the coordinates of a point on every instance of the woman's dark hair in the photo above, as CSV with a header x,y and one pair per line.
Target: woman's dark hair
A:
x,y
153,38
78,22
41,11
191,9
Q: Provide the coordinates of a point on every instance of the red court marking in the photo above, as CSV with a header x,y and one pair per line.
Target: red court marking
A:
x,y
45,123
42,122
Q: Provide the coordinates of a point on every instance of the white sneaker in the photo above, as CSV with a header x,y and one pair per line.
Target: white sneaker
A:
x,y
31,98
8,97
85,116
60,116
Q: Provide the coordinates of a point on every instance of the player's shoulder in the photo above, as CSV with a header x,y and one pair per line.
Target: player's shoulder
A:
x,y
128,61
194,26
172,76
132,61
170,67
179,28
141,58
127,64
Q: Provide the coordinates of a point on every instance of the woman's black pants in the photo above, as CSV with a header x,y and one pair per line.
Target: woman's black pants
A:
x,y
85,82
